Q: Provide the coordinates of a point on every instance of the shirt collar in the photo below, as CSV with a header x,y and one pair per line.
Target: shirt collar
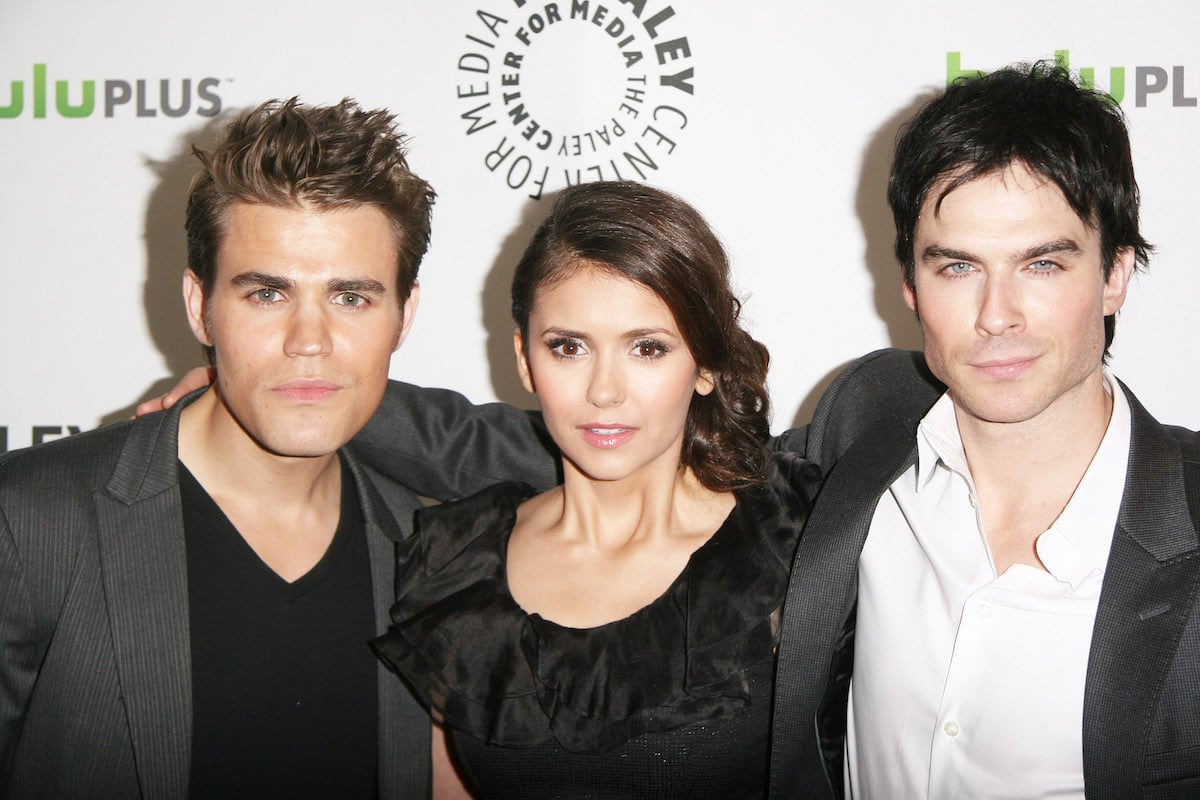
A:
x,y
940,444
1088,521
1080,539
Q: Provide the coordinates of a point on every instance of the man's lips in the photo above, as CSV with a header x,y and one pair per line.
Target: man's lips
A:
x,y
1006,368
606,436
306,391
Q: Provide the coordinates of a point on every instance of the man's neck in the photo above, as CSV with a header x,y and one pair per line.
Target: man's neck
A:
x,y
1025,473
286,508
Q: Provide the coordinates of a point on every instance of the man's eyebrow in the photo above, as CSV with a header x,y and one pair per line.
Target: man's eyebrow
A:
x,y
1064,245
936,251
360,285
262,279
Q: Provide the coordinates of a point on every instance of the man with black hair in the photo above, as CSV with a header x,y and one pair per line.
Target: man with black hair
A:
x,y
996,594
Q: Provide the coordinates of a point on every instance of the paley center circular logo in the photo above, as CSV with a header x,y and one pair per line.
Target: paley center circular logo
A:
x,y
561,93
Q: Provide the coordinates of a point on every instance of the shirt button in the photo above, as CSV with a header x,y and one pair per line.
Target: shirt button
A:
x,y
972,500
984,611
951,729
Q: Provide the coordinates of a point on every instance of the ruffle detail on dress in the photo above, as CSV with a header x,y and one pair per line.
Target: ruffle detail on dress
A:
x,y
514,679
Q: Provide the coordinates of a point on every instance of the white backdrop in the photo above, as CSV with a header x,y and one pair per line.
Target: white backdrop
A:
x,y
774,117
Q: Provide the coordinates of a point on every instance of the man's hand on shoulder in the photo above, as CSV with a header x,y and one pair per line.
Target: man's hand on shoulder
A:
x,y
194,379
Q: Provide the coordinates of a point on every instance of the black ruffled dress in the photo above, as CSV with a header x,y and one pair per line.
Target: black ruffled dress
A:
x,y
672,701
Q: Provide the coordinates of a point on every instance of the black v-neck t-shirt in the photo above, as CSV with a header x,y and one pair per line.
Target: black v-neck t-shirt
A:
x,y
284,686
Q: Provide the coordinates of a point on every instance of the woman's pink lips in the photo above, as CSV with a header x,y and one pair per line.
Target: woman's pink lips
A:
x,y
607,437
306,391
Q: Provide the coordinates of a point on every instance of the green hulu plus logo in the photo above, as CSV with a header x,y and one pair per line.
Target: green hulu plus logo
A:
x,y
1147,81
141,97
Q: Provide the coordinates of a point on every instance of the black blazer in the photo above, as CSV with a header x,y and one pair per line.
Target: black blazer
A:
x,y
1141,721
95,669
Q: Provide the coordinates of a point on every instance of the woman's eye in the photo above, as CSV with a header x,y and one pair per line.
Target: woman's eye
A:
x,y
648,348
566,348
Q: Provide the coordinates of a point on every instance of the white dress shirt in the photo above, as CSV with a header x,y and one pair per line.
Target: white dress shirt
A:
x,y
969,684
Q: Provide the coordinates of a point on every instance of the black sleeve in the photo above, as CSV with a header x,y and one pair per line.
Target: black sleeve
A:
x,y
885,383
794,440
440,445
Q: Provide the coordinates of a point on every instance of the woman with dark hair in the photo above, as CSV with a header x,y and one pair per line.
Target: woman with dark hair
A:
x,y
614,636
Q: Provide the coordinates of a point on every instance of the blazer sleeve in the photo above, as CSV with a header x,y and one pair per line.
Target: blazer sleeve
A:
x,y
21,648
885,383
441,445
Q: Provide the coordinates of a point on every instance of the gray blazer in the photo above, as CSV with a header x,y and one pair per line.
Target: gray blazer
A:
x,y
95,664
1141,722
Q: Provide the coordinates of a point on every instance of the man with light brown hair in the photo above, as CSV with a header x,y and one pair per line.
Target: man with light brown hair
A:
x,y
186,599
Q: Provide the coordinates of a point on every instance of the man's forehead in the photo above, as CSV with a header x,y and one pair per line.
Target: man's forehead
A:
x,y
273,211
1015,175
307,246
362,233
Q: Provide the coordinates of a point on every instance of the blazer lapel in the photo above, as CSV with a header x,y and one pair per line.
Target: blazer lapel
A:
x,y
816,640
144,566
404,726
1150,584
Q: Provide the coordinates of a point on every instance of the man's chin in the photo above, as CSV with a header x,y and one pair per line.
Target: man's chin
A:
x,y
301,448
300,441
991,409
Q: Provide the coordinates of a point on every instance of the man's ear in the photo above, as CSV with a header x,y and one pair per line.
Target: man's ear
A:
x,y
409,311
910,295
1117,283
193,302
523,362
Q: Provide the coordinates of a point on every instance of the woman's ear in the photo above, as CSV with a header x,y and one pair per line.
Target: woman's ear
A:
x,y
523,362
